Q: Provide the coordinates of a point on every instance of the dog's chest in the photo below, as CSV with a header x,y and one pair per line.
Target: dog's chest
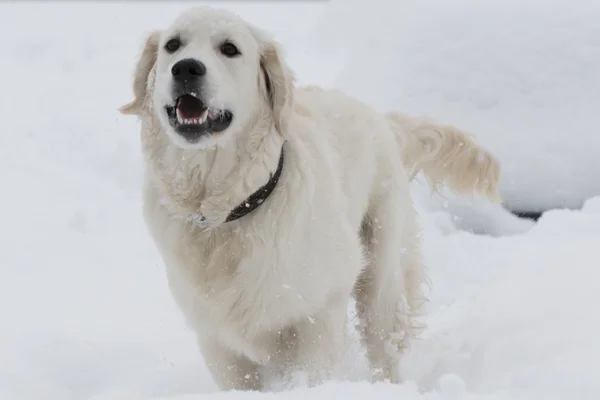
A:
x,y
253,280
239,288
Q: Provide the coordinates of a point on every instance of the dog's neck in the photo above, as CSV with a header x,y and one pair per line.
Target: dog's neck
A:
x,y
223,176
254,200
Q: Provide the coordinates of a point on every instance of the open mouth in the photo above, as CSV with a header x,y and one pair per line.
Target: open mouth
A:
x,y
192,118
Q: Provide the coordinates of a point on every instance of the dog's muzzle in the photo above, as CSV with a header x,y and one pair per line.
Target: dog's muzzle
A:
x,y
189,115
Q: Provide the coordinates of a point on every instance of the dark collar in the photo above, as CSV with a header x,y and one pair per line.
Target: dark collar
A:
x,y
258,197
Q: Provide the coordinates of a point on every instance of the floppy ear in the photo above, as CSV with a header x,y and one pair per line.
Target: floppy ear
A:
x,y
279,80
140,77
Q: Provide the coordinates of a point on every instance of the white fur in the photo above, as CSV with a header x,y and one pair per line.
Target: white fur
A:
x,y
271,289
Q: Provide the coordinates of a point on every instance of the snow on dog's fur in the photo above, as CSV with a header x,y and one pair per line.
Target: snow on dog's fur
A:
x,y
218,105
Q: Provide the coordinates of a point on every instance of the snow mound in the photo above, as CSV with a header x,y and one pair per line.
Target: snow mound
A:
x,y
521,76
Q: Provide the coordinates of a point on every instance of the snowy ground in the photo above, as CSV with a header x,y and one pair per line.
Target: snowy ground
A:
x,y
85,309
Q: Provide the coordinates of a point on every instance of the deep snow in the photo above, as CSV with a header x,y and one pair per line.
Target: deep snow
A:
x,y
86,313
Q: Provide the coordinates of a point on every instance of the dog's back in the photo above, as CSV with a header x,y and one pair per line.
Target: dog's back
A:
x,y
444,153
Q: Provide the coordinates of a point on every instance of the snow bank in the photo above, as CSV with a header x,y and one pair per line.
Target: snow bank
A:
x,y
522,76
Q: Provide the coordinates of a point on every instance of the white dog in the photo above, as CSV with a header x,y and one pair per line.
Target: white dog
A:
x,y
273,205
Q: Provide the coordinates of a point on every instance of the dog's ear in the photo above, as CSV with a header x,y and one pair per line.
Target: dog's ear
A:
x,y
141,73
279,82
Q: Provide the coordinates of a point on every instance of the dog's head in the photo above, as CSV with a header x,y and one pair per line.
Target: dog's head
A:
x,y
210,77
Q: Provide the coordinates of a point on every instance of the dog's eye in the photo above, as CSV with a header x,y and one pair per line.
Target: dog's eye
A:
x,y
173,45
228,49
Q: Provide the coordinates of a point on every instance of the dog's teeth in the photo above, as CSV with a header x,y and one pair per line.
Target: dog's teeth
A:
x,y
202,119
192,121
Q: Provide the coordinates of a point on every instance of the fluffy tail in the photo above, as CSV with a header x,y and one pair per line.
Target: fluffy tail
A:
x,y
445,155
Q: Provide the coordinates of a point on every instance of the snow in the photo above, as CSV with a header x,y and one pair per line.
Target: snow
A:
x,y
522,76
86,312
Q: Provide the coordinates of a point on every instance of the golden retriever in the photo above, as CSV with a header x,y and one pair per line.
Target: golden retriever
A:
x,y
273,205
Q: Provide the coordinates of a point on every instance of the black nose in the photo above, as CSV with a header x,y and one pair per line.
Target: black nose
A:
x,y
188,70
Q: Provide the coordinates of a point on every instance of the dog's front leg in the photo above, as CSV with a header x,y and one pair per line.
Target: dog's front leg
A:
x,y
319,342
229,370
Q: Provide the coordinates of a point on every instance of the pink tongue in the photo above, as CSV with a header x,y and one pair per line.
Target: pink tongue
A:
x,y
190,107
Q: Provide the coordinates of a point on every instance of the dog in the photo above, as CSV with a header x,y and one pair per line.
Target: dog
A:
x,y
273,205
